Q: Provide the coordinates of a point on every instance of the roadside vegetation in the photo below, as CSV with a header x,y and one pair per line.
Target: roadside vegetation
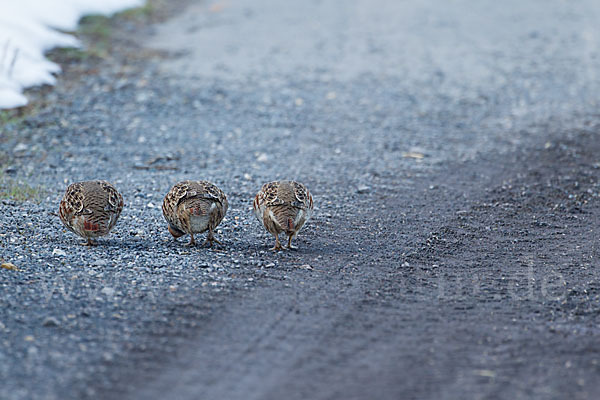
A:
x,y
17,190
97,34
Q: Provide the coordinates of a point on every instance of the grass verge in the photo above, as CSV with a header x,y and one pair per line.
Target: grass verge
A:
x,y
98,33
13,190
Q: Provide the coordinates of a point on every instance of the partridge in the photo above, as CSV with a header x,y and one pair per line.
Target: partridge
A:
x,y
194,207
283,206
90,209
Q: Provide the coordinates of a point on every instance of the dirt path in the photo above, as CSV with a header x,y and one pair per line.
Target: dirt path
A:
x,y
452,151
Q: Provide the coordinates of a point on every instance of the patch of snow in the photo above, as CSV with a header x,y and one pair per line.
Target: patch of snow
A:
x,y
28,29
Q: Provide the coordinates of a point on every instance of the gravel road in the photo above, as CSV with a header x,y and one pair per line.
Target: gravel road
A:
x,y
452,151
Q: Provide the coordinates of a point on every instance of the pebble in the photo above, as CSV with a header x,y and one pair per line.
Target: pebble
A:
x,y
101,263
50,322
19,148
59,253
362,189
262,157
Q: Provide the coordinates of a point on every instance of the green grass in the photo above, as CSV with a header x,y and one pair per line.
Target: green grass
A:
x,y
145,11
97,31
71,53
11,117
11,189
97,27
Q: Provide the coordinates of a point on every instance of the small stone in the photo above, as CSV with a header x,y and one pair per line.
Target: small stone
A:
x,y
50,322
21,147
486,372
142,97
262,157
413,154
108,291
362,189
59,253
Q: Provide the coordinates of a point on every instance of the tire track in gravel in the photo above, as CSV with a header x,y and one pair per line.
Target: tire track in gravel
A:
x,y
385,329
413,291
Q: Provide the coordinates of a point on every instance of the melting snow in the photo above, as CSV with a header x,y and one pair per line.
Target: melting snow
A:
x,y
28,28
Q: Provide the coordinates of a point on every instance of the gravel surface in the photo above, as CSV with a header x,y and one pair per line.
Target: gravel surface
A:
x,y
452,151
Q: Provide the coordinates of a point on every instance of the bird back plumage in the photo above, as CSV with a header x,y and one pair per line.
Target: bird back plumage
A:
x,y
283,206
190,199
90,208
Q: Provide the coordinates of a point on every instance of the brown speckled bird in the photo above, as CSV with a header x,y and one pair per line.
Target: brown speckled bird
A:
x,y
194,207
90,209
283,206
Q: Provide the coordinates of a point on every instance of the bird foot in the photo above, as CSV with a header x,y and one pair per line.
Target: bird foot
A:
x,y
209,242
88,243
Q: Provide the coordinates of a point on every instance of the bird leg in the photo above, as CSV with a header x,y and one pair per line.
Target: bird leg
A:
x,y
192,241
289,246
210,239
277,246
89,242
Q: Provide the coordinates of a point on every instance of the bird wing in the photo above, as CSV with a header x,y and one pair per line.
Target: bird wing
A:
x,y
115,200
303,198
